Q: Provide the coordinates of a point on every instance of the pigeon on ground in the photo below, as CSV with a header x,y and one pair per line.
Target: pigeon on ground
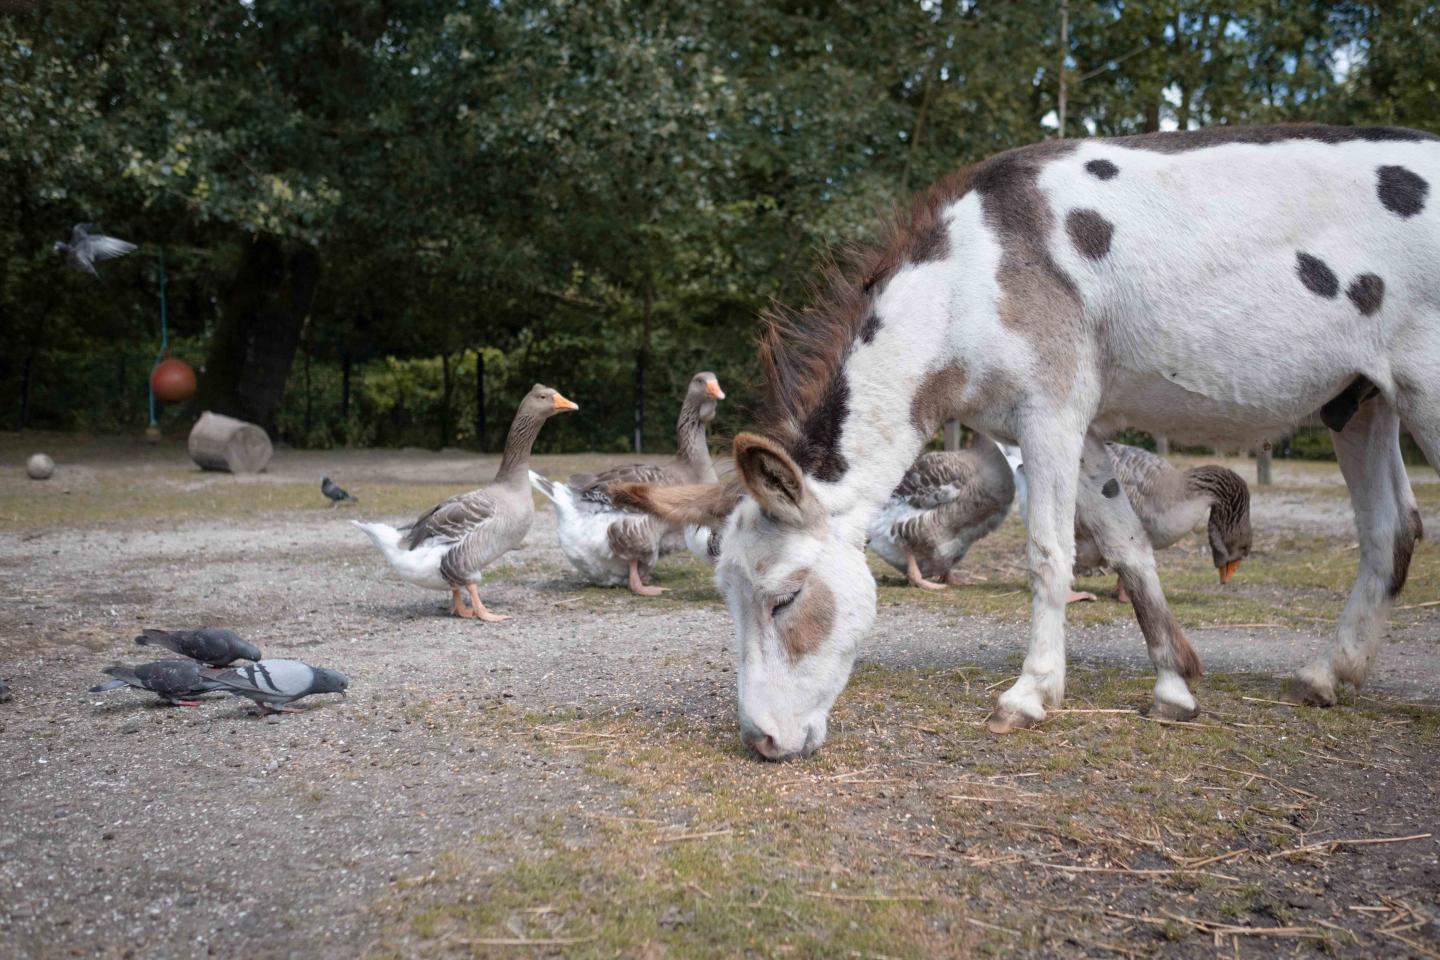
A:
x,y
335,493
212,646
275,683
4,692
85,248
178,681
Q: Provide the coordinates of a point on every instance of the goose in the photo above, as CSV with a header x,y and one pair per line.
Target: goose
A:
x,y
449,545
612,546
946,502
1170,502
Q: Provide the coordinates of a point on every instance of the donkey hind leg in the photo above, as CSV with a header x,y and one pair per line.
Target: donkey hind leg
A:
x,y
1388,525
1052,465
1105,514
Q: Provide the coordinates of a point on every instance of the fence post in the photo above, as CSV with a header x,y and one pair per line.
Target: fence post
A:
x,y
1262,464
1162,446
952,434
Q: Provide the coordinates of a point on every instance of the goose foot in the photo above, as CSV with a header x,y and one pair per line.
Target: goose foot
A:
x,y
1079,597
912,573
1120,592
639,587
457,606
480,611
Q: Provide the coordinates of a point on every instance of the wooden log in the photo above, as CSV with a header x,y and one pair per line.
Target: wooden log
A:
x,y
218,442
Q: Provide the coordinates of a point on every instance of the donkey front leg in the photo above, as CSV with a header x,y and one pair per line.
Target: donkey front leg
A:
x,y
1052,466
1388,525
1104,512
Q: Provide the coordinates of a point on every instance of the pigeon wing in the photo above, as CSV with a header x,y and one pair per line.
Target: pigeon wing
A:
x,y
104,248
271,681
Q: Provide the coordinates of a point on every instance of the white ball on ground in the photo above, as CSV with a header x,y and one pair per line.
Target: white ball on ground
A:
x,y
39,467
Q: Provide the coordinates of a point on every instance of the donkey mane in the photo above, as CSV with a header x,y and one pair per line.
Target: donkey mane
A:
x,y
803,351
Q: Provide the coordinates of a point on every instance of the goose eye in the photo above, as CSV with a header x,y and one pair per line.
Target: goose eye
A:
x,y
783,603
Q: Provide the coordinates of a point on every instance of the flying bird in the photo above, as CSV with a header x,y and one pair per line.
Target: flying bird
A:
x,y
85,248
212,646
177,681
274,684
335,493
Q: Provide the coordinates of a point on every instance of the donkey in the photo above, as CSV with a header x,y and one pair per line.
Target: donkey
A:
x,y
1216,286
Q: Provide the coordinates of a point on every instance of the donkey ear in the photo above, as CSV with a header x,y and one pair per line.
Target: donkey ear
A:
x,y
775,481
706,504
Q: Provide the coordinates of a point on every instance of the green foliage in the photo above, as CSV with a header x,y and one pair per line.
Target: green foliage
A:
x,y
565,186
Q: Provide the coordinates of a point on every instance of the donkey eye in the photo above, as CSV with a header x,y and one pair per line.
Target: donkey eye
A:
x,y
782,603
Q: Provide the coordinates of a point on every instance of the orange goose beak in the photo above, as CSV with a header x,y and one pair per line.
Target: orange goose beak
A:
x,y
1228,571
712,387
562,404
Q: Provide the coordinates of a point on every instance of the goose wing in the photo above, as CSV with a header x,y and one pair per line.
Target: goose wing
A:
x,y
450,520
594,488
935,479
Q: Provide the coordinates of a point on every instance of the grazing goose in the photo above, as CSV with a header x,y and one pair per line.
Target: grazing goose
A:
x,y
1170,502
449,545
611,545
946,502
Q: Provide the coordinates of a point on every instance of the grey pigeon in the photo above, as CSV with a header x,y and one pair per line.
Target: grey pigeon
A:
x,y
178,681
335,492
212,646
275,683
85,248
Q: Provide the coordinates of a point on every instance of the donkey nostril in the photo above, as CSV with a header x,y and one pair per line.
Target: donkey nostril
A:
x,y
763,744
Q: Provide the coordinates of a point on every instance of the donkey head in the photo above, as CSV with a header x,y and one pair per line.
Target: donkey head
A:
x,y
797,586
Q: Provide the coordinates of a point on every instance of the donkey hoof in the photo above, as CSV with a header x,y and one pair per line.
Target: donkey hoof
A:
x,y
1306,693
1160,710
1002,721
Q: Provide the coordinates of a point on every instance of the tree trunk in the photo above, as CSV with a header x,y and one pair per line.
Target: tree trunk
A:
x,y
24,420
444,400
641,355
258,332
223,443
1060,101
1162,446
1262,464
480,400
345,386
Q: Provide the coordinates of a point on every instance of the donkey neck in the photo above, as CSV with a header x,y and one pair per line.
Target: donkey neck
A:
x,y
515,464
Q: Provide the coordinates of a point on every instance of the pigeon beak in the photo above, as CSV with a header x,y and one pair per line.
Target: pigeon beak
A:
x,y
712,387
1228,571
562,404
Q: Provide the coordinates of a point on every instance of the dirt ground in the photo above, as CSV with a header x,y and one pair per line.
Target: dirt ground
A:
x,y
571,782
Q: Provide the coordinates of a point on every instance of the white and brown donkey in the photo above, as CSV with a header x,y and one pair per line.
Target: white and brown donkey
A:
x,y
1217,285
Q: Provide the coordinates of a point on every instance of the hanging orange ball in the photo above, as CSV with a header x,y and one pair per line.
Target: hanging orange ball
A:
x,y
173,381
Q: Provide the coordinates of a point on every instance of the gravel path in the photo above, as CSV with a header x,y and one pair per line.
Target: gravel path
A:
x,y
137,830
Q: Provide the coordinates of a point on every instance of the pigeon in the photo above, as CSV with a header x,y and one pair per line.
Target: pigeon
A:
x,y
178,681
85,248
212,646
335,493
4,692
275,683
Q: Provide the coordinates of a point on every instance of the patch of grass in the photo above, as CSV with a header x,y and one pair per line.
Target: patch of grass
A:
x,y
916,833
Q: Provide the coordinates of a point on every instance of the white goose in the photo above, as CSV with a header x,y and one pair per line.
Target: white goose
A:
x,y
946,502
611,545
449,545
